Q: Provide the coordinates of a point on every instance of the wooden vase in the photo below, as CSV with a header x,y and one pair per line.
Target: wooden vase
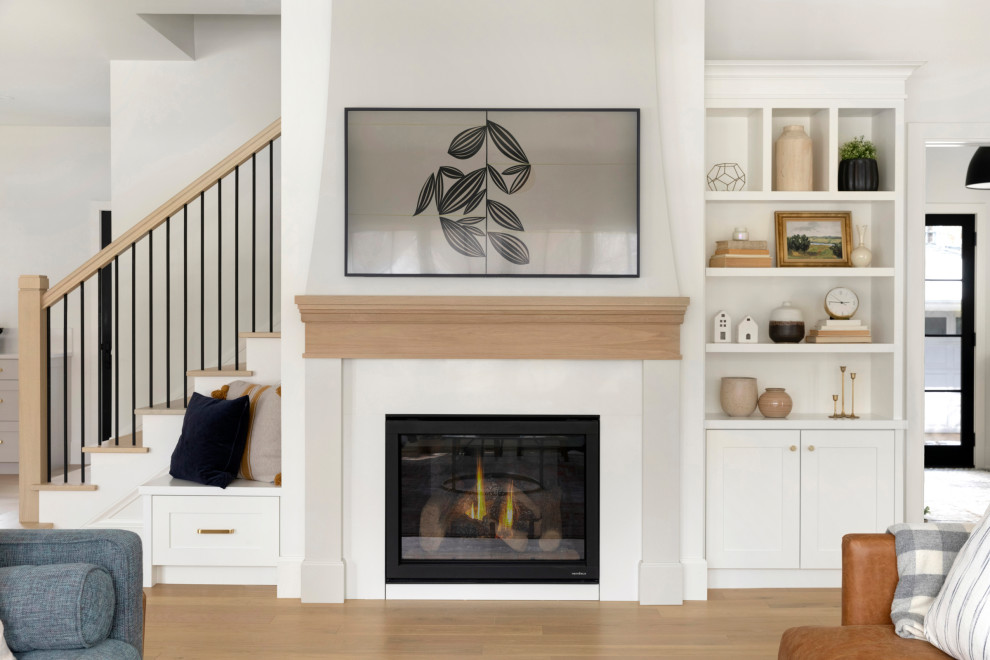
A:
x,y
792,153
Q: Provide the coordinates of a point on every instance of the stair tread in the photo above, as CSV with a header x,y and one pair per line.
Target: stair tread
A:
x,y
260,335
174,407
115,449
64,486
214,372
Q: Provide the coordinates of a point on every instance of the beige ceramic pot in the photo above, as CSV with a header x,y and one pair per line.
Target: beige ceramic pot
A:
x,y
738,396
775,403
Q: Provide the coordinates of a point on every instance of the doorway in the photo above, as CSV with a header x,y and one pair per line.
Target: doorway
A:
x,y
950,339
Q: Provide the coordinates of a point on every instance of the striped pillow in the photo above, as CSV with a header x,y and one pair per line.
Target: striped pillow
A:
x,y
262,460
958,622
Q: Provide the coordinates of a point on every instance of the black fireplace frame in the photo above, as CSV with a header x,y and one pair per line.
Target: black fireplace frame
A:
x,y
398,570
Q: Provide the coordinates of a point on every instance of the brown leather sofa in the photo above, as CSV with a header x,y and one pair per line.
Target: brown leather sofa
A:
x,y
869,577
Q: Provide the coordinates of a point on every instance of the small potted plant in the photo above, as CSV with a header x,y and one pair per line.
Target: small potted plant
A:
x,y
858,165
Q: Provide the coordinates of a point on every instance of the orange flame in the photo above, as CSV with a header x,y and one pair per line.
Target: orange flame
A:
x,y
508,511
481,511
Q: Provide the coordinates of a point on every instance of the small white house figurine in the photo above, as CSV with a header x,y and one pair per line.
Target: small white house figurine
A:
x,y
723,328
747,331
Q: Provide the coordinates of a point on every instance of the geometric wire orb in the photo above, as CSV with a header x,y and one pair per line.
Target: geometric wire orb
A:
x,y
726,176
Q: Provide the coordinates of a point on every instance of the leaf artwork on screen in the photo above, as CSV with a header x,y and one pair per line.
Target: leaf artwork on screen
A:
x,y
467,191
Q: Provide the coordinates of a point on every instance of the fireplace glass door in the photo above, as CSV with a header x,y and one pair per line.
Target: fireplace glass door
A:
x,y
492,499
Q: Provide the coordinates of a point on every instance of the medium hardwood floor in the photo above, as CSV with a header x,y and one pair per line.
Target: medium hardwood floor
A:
x,y
220,622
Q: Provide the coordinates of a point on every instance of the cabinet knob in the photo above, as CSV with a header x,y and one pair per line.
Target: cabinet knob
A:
x,y
1,369
811,448
793,447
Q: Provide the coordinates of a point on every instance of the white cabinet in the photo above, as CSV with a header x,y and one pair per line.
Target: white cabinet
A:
x,y
195,534
784,498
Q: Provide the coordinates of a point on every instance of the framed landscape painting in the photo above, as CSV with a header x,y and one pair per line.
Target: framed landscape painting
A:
x,y
492,192
813,238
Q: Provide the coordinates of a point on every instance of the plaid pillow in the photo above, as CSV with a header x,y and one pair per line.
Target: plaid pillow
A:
x,y
925,552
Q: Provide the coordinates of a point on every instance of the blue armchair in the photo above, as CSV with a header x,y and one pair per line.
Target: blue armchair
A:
x,y
116,551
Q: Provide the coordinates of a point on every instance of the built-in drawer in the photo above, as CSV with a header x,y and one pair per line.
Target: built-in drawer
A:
x,y
8,442
214,531
8,405
8,369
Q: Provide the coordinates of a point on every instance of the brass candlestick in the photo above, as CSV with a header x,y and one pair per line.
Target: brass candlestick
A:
x,y
835,407
843,389
852,413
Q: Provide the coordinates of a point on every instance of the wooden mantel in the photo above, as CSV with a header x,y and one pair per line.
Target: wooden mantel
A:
x,y
520,328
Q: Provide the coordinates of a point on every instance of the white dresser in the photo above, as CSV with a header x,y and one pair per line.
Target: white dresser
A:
x,y
8,413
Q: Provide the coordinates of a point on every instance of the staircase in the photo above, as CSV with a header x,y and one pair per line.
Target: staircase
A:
x,y
194,305
109,496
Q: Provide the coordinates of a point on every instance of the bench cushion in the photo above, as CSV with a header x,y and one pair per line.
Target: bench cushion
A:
x,y
109,649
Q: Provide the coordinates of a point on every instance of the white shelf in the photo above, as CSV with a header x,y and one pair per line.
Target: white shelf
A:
x,y
799,272
801,422
799,348
799,196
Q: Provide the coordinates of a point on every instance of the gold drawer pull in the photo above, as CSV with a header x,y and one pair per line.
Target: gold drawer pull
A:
x,y
214,531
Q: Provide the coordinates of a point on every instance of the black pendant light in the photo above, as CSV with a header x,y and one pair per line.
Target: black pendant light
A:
x,y
978,174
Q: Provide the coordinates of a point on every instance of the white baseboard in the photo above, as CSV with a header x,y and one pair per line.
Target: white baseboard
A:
x,y
289,580
321,582
728,578
491,592
661,584
215,574
695,579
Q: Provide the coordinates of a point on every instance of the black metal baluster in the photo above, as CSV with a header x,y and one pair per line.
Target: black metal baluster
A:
x,y
48,370
271,236
202,280
133,342
254,236
65,388
99,356
237,263
116,350
168,312
185,302
219,274
151,318
82,379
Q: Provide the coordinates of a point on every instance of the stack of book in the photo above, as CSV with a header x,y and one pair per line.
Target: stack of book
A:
x,y
740,254
836,331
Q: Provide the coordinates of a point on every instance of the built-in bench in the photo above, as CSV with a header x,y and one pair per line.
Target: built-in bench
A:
x,y
195,534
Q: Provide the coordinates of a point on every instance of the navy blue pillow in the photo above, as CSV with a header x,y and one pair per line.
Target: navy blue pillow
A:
x,y
214,433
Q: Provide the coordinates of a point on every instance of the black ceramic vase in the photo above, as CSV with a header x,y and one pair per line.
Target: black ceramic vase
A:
x,y
859,174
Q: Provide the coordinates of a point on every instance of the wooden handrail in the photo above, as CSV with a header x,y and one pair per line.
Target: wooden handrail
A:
x,y
162,213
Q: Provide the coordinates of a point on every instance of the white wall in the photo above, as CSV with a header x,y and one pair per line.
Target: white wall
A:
x,y
950,36
172,121
445,53
48,178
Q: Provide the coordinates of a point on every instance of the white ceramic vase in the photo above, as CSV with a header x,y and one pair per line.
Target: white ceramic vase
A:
x,y
792,153
861,257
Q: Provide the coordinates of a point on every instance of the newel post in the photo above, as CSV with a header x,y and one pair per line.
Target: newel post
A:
x,y
33,379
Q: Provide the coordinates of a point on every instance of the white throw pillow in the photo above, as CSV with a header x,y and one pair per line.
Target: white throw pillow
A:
x,y
5,653
958,622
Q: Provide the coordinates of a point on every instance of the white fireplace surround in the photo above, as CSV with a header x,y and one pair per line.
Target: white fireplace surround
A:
x,y
492,356
637,401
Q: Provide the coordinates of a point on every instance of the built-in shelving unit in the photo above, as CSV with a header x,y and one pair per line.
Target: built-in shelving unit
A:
x,y
752,460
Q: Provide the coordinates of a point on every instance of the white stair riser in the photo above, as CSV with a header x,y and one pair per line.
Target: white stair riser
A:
x,y
264,355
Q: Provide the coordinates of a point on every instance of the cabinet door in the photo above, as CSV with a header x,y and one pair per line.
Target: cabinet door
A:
x,y
847,485
753,499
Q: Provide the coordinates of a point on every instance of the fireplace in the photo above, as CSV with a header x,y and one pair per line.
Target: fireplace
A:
x,y
491,499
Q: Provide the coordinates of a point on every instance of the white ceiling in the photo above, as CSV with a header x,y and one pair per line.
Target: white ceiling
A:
x,y
55,54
